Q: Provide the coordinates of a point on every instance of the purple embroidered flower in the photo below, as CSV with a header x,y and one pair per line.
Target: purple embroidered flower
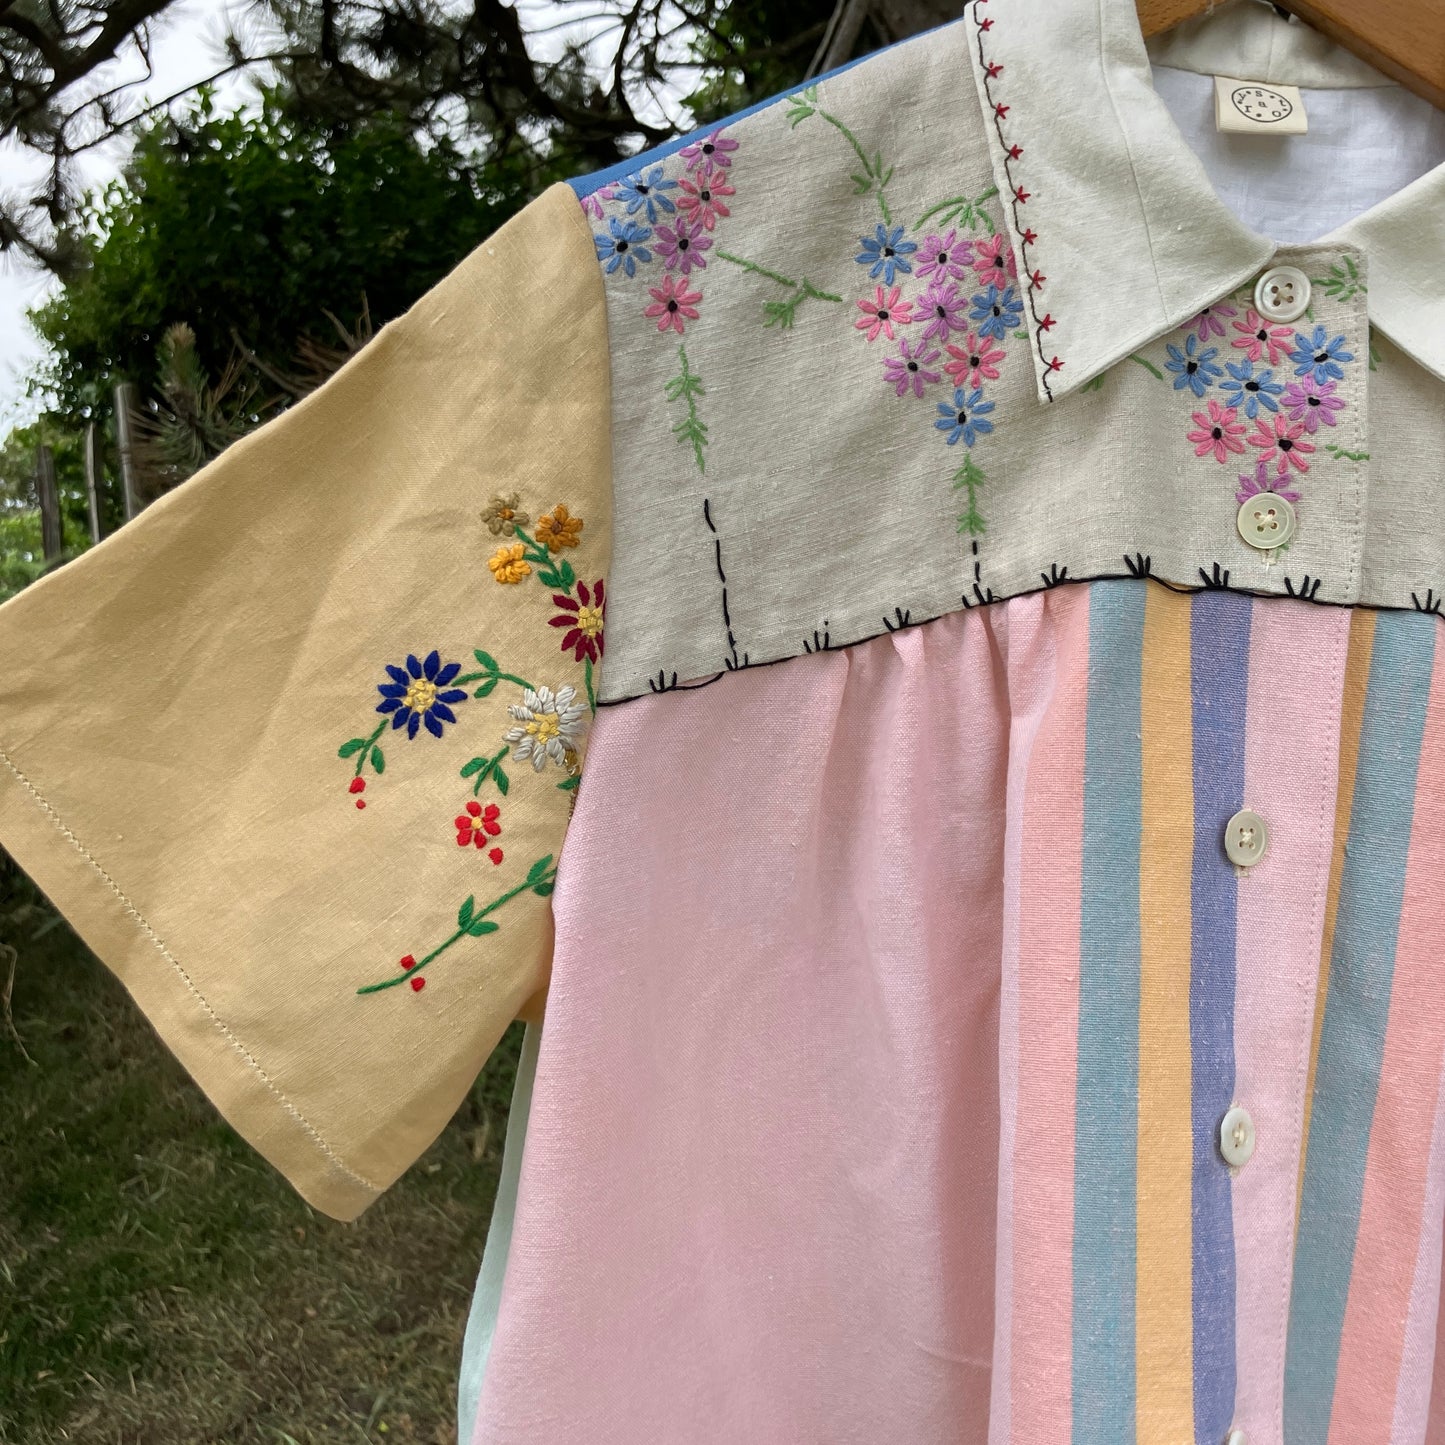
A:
x,y
1261,481
1313,403
1208,323
418,693
966,418
996,312
702,197
1282,440
884,252
1217,431
1191,367
592,202
713,149
1249,389
945,257
671,303
1315,356
883,313
910,367
624,246
975,362
644,191
943,309
681,246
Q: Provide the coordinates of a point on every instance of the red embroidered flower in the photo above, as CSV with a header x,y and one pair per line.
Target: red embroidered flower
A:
x,y
584,621
478,824
1217,432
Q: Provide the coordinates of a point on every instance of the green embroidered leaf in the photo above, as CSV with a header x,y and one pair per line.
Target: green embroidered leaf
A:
x,y
350,749
476,765
569,577
1094,383
481,926
501,779
543,889
548,577
538,869
464,914
486,688
779,313
567,784
862,184
487,660
377,761
1021,335
801,105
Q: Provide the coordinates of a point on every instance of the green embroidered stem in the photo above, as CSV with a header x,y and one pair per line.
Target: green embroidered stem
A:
x,y
471,924
754,267
1094,383
874,178
1147,365
493,674
971,476
554,576
587,678
780,313
485,768
959,208
364,748
1374,355
1343,282
1343,454
687,386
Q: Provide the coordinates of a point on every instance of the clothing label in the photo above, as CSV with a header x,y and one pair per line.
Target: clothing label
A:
x,y
1253,108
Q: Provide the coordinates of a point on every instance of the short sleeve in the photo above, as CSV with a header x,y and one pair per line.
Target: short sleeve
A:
x,y
295,750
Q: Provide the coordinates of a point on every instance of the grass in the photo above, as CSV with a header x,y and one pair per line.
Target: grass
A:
x,y
160,1284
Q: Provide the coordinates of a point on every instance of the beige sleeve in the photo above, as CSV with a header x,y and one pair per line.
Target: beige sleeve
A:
x,y
194,766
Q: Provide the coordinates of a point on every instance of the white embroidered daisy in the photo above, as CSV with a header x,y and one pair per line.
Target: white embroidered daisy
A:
x,y
551,726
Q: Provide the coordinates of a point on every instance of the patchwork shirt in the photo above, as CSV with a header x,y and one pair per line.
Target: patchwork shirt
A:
x,y
901,632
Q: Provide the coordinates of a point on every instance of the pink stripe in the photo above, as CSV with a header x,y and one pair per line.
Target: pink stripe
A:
x,y
1041,972
1296,667
1387,1247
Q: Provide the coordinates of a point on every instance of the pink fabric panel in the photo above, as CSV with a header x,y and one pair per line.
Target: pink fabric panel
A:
x,y
761,1162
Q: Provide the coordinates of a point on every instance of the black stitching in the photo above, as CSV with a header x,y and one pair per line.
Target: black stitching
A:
x,y
1218,581
1307,587
732,662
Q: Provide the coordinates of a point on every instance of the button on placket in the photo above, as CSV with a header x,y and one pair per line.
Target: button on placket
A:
x,y
1236,1137
1266,521
1282,293
1245,838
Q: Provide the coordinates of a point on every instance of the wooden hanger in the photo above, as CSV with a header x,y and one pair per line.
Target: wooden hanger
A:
x,y
1404,39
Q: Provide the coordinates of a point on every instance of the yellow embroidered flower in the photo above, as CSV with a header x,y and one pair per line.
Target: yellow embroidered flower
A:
x,y
504,517
558,528
509,565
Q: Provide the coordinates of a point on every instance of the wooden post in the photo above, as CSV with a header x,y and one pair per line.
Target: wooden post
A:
x,y
125,445
94,478
50,535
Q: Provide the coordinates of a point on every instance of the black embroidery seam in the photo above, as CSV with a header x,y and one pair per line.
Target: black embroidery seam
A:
x,y
733,665
1018,196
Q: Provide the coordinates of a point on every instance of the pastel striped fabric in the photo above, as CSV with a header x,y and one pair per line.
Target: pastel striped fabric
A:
x,y
902,1113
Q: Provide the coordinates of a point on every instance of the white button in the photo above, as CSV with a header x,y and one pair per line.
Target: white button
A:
x,y
1282,293
1236,1437
1245,838
1236,1137
1266,521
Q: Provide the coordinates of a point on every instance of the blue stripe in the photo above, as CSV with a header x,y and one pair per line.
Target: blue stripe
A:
x,y
1219,683
1357,1006
1106,1117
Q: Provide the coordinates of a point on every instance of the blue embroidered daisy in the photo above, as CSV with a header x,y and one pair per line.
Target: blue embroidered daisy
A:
x,y
418,693
1191,367
624,246
1249,389
996,312
883,253
1316,357
643,191
966,418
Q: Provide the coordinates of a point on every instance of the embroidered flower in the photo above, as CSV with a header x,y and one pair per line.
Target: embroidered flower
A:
x,y
945,257
551,726
592,203
1249,389
1315,356
883,313
509,564
885,253
1217,432
1312,403
646,191
994,262
966,418
702,198
1259,338
1208,322
623,247
418,693
503,517
910,367
996,312
559,528
714,149
1261,481
584,617
681,246
943,308
1280,439
671,303
1191,367
975,362
478,824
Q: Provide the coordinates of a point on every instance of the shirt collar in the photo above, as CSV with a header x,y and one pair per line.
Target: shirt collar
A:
x,y
1118,234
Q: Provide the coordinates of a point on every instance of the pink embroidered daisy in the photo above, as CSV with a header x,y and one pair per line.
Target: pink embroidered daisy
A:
x,y
944,257
994,262
592,204
671,303
975,362
1259,337
1280,438
681,246
714,150
910,367
1261,481
1209,322
701,198
943,309
883,313
1217,431
1312,403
